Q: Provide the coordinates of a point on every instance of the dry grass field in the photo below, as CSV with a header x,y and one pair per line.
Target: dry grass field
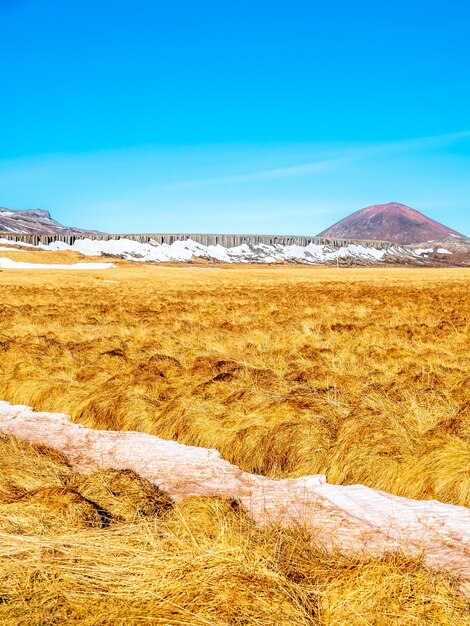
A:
x,y
363,375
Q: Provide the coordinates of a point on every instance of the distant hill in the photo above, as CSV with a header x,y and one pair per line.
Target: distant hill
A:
x,y
392,222
33,221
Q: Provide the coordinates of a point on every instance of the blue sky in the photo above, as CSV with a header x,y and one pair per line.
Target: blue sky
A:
x,y
243,116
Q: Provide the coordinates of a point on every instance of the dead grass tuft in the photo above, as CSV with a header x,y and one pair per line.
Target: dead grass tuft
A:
x,y
124,495
66,504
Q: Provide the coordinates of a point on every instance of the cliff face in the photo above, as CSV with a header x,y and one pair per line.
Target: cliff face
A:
x,y
392,222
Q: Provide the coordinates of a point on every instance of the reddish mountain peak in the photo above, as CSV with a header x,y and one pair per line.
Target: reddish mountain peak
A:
x,y
393,222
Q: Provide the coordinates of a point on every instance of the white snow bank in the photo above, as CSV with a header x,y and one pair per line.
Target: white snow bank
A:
x,y
354,519
186,250
426,251
9,264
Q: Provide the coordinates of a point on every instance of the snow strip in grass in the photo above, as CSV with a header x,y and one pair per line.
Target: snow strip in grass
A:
x,y
354,519
9,264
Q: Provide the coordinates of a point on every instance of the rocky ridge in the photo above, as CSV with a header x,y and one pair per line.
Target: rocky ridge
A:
x,y
33,221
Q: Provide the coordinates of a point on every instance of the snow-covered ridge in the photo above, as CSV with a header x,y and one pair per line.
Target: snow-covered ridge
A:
x,y
354,519
186,250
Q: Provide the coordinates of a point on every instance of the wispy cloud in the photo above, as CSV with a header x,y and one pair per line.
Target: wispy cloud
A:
x,y
343,155
415,144
267,174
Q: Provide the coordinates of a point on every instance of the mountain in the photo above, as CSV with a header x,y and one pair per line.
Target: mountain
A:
x,y
33,221
392,222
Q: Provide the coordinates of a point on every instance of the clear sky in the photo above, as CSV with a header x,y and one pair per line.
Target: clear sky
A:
x,y
246,116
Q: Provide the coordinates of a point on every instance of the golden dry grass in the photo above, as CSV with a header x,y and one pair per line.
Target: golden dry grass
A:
x,y
360,374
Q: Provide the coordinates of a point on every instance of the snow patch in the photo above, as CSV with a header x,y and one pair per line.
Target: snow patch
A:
x,y
9,264
426,251
11,230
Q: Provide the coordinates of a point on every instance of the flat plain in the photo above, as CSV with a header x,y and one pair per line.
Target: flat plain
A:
x,y
359,374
